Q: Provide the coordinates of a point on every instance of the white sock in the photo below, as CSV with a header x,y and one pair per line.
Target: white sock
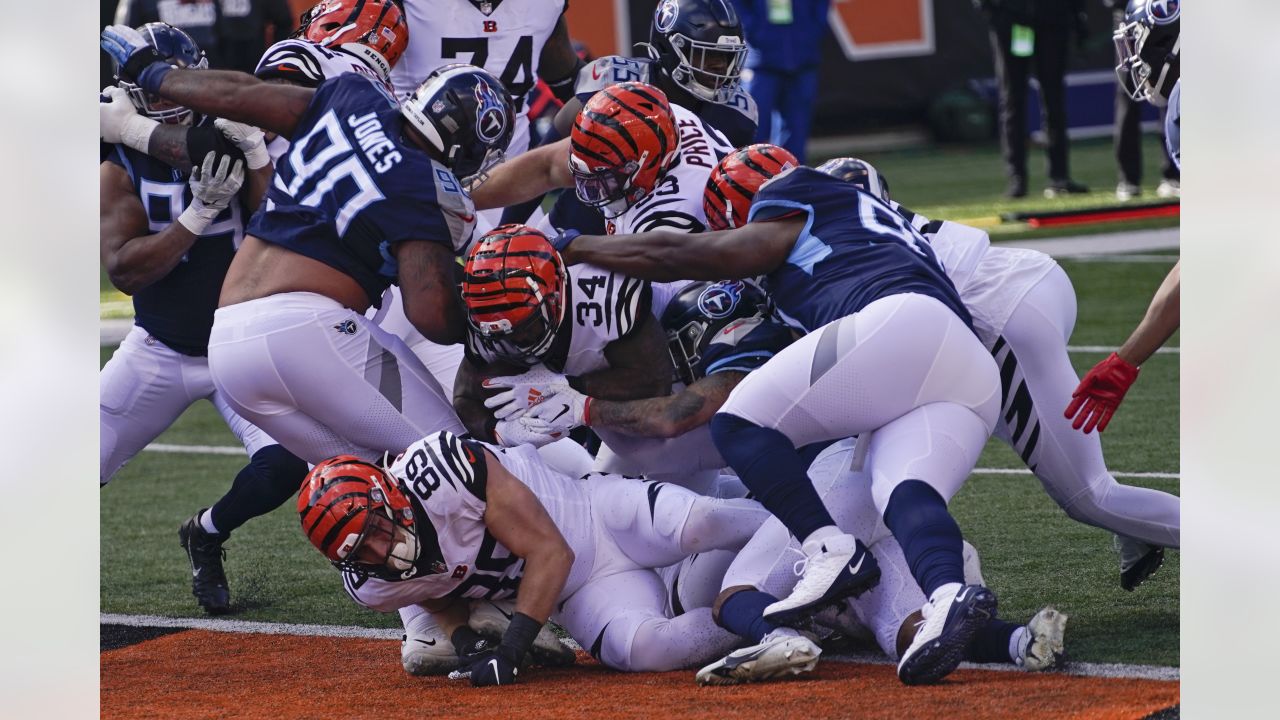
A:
x,y
948,589
1016,642
206,522
813,543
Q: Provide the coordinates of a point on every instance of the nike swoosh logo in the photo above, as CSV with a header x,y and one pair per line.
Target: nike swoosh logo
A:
x,y
595,73
505,614
563,409
426,642
497,679
963,594
855,568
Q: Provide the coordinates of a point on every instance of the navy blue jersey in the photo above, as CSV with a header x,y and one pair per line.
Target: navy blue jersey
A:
x,y
178,308
744,345
736,119
351,187
853,250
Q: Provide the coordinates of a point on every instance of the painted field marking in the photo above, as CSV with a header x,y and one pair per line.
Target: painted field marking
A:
x,y
1106,670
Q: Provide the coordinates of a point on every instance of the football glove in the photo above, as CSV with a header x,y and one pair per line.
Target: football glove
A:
x,y
562,240
120,122
488,668
213,190
562,410
523,431
1099,394
251,141
523,391
136,59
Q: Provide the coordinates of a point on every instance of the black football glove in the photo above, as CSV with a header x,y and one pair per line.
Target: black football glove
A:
x,y
492,668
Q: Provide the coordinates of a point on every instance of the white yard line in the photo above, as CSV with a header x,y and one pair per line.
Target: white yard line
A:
x,y
1146,672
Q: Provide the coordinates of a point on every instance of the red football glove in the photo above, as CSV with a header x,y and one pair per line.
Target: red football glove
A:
x,y
1099,394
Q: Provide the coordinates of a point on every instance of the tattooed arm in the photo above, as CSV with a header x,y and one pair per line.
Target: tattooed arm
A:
x,y
669,416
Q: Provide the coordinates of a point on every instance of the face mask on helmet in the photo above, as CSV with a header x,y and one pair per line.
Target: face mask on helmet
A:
x,y
859,172
466,115
699,45
373,30
513,288
1147,50
623,141
702,310
606,189
179,50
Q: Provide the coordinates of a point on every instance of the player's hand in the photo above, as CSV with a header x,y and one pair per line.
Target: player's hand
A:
x,y
488,669
137,60
523,391
251,141
563,410
115,112
1099,394
524,431
562,240
213,189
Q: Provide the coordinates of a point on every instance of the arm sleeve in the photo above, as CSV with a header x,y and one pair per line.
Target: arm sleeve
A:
x,y
206,138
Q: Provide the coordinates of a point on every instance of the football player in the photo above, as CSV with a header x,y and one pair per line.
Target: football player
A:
x,y
168,234
586,326
1024,311
454,520
890,349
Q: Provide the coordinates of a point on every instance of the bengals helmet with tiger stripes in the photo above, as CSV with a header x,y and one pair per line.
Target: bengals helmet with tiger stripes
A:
x,y
513,287
734,182
358,26
622,142
357,516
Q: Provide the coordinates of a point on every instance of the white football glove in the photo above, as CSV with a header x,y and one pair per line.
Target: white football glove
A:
x,y
524,391
120,122
251,141
523,431
213,191
563,410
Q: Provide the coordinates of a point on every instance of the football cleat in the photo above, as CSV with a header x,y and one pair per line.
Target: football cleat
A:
x,y
782,652
949,624
490,618
842,567
424,650
1043,647
1138,561
205,552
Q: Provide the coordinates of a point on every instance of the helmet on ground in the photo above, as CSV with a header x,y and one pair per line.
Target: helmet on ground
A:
x,y
178,49
356,515
374,30
734,182
622,142
699,312
465,114
859,172
1147,49
513,287
700,46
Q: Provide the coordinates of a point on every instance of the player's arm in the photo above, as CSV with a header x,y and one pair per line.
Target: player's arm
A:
x,y
532,174
1163,317
133,257
669,416
559,64
663,255
238,96
639,365
425,277
563,121
468,402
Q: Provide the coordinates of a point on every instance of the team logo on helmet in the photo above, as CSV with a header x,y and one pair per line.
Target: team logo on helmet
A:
x,y
1163,12
720,300
491,121
666,16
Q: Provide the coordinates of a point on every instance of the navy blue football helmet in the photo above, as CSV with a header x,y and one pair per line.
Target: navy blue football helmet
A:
x,y
699,45
466,114
859,172
176,48
701,310
1147,49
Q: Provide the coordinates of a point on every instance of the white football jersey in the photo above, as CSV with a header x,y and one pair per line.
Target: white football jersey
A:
x,y
600,308
446,479
504,37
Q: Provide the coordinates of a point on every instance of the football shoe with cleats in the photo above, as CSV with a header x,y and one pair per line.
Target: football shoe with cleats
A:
x,y
1042,646
425,650
840,567
951,618
1138,561
490,618
780,653
205,553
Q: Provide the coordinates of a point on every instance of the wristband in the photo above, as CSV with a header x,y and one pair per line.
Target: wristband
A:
x,y
519,637
586,412
257,157
152,75
136,132
198,217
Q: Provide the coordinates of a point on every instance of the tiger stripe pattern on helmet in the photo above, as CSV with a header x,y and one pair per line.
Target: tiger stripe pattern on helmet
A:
x,y
335,502
513,290
622,141
734,182
378,25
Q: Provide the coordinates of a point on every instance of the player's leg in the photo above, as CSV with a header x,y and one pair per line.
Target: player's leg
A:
x,y
441,361
849,377
658,524
141,394
620,620
424,648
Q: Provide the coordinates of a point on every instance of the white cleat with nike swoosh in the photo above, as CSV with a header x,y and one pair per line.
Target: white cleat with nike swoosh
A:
x,y
490,618
950,621
842,567
424,650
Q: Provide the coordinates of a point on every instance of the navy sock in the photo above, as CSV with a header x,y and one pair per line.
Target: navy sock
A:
x,y
773,470
743,614
991,644
930,539
272,476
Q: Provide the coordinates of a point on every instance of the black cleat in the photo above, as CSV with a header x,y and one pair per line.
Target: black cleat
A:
x,y
1138,561
943,637
208,580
